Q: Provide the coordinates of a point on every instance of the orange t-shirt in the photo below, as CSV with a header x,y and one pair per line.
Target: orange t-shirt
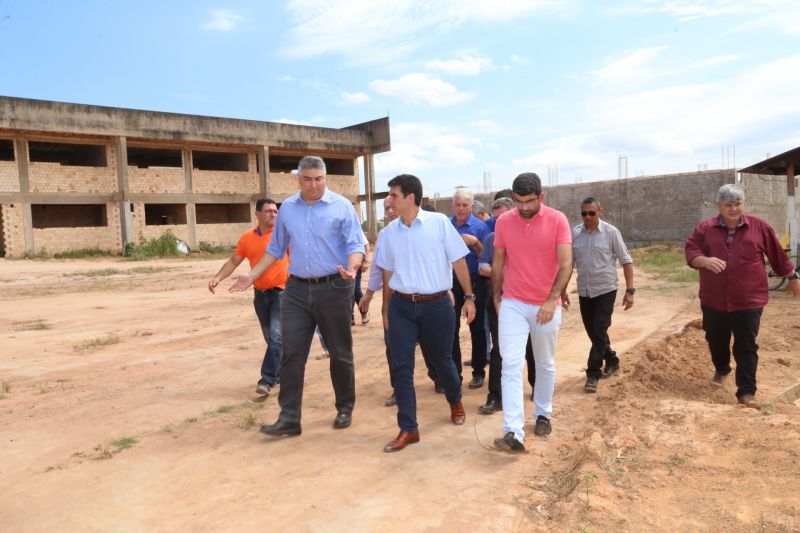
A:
x,y
252,246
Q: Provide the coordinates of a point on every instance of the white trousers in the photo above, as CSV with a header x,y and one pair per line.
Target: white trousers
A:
x,y
516,321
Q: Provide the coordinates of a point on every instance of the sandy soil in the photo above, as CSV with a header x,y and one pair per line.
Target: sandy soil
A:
x,y
94,352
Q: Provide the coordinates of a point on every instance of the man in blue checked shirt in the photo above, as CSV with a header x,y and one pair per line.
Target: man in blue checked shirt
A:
x,y
323,231
419,252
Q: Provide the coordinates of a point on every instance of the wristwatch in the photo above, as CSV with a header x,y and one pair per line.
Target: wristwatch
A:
x,y
793,276
470,297
630,291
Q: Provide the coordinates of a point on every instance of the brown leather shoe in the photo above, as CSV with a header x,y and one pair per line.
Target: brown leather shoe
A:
x,y
718,379
403,439
748,400
457,414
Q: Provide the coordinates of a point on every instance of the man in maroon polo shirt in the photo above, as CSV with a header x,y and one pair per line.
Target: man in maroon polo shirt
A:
x,y
729,250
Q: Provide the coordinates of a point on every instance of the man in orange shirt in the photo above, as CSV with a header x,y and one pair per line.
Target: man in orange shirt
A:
x,y
267,288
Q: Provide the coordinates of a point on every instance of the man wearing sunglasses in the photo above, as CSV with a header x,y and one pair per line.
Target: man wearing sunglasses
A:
x,y
597,246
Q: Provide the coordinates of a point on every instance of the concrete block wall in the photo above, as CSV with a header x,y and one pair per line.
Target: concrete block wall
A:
x,y
13,231
54,177
9,176
55,240
142,232
766,197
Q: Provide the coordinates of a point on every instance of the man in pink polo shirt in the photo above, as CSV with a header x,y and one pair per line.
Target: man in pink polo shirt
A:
x,y
531,266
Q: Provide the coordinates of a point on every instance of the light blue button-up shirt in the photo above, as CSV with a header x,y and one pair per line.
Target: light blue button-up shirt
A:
x,y
420,257
322,235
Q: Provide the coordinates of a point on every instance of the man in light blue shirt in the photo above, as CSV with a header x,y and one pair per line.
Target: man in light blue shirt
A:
x,y
324,233
416,253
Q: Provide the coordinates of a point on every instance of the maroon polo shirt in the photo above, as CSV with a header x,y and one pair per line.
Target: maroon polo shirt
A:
x,y
743,283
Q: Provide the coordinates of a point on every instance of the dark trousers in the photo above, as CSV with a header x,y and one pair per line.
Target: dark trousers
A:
x,y
357,292
430,323
743,325
476,329
303,306
496,360
268,310
388,357
596,315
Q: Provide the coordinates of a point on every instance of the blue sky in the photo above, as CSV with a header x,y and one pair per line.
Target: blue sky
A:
x,y
561,88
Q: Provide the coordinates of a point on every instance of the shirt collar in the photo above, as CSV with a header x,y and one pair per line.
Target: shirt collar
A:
x,y
469,222
327,197
598,228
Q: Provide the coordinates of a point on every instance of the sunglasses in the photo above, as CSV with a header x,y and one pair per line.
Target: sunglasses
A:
x,y
588,213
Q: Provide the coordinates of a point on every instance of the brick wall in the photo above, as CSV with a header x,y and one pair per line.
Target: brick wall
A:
x,y
156,180
285,184
55,240
13,232
54,177
222,234
227,182
9,176
140,231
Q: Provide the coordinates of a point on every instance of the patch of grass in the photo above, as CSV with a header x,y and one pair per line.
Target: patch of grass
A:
x,y
249,421
123,443
767,408
32,325
190,420
208,248
164,246
142,333
96,344
5,386
224,409
83,253
666,260
678,460
95,273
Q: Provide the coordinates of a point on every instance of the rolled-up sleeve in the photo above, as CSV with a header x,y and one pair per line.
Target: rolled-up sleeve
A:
x,y
354,235
485,259
280,238
620,250
375,280
454,245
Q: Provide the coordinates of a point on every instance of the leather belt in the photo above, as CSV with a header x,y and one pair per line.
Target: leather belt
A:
x,y
272,289
323,279
421,297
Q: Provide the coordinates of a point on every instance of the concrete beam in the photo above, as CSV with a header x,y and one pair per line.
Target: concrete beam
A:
x,y
27,229
60,117
263,171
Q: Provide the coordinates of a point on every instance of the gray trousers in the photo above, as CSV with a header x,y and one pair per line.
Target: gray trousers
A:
x,y
303,306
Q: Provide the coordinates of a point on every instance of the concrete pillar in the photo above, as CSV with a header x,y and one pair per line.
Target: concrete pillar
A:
x,y
263,172
125,219
369,186
21,150
191,218
791,209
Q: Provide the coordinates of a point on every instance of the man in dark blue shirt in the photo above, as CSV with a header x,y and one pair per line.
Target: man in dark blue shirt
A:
x,y
473,231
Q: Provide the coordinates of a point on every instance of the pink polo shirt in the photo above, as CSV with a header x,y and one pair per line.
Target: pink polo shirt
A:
x,y
531,256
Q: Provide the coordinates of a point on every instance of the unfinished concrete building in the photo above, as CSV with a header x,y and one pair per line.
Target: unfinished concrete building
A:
x,y
79,176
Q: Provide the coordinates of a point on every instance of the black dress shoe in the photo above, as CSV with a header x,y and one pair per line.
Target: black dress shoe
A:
x,y
343,420
476,383
491,406
279,429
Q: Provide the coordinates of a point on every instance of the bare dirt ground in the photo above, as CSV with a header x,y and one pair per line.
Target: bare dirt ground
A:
x,y
127,404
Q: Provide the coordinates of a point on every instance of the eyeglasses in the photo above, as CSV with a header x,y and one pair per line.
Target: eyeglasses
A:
x,y
588,213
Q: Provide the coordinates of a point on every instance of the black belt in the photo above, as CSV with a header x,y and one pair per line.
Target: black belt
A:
x,y
421,297
273,289
323,279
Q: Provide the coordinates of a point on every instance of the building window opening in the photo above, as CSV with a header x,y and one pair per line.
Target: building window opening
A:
x,y
154,157
164,214
69,216
6,150
222,213
220,161
75,155
288,163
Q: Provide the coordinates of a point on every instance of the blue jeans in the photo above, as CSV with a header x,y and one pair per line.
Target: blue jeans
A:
x,y
268,309
431,323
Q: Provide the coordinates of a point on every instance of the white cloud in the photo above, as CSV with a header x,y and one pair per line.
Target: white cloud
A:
x,y
466,65
354,98
713,61
365,31
291,121
519,59
420,88
698,9
632,66
424,149
223,20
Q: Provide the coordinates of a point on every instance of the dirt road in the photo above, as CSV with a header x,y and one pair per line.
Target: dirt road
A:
x,y
129,405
